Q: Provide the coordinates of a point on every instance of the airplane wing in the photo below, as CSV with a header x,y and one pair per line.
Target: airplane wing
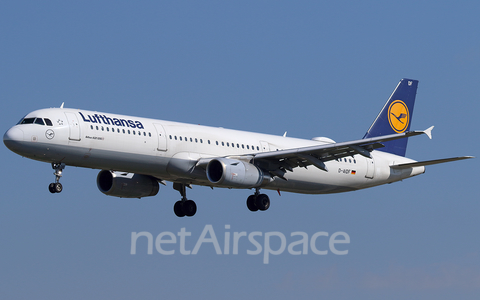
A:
x,y
278,162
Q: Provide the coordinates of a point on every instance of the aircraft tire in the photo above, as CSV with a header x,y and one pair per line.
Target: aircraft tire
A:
x,y
251,203
178,209
58,187
51,188
262,202
189,208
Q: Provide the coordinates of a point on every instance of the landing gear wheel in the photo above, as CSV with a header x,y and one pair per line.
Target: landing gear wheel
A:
x,y
251,203
189,208
262,202
51,188
58,187
178,209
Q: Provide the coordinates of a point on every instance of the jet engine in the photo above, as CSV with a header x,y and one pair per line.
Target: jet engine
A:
x,y
126,185
234,173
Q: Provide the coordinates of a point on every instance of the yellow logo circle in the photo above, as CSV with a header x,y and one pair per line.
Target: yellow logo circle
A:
x,y
398,116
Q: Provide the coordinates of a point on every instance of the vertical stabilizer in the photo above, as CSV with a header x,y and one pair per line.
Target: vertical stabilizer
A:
x,y
396,116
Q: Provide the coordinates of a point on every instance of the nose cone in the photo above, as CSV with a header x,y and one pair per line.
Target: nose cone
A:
x,y
12,138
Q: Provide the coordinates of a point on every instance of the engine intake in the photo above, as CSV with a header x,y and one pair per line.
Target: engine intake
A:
x,y
234,173
126,185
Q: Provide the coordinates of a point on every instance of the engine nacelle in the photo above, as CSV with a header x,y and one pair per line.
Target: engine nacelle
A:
x,y
126,185
234,173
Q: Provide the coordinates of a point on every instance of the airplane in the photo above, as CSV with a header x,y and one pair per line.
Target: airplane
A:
x,y
135,154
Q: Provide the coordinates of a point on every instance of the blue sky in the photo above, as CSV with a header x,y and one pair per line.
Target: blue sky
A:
x,y
314,68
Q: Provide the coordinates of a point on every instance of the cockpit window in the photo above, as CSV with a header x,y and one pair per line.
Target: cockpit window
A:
x,y
38,121
28,121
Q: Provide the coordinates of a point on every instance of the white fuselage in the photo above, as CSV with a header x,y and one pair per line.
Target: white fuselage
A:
x,y
170,151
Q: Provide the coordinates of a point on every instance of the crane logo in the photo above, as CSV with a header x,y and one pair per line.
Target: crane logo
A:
x,y
398,116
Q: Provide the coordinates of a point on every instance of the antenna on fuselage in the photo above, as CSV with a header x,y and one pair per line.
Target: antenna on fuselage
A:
x,y
61,106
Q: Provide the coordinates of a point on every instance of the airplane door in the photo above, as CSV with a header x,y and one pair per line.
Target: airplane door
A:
x,y
162,137
74,126
370,168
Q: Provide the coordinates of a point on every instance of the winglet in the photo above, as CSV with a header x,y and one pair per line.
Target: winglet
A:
x,y
61,106
428,132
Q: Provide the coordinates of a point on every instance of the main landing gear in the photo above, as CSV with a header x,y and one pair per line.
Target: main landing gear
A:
x,y
183,207
258,201
56,187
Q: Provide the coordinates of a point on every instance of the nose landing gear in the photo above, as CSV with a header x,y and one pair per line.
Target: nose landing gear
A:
x,y
56,187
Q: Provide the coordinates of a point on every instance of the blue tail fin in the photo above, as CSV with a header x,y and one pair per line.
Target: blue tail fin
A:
x,y
396,116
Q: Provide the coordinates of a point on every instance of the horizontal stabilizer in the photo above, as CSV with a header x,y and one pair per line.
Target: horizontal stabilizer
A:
x,y
428,162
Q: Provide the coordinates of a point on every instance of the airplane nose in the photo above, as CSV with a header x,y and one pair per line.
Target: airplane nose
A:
x,y
12,136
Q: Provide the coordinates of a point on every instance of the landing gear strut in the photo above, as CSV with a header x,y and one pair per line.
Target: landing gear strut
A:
x,y
258,201
56,187
183,207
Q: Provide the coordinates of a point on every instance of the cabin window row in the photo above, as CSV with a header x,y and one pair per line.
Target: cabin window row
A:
x,y
118,130
228,144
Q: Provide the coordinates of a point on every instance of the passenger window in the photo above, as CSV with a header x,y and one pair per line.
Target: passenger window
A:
x,y
223,144
149,134
133,131
91,127
123,130
180,138
196,140
108,129
102,128
191,140
48,122
248,147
